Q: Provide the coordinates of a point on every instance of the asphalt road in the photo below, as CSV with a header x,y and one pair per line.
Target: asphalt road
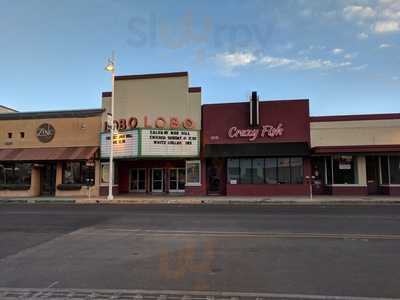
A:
x,y
280,251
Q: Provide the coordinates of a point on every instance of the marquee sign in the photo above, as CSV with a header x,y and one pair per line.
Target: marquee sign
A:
x,y
254,133
171,143
152,143
45,133
125,144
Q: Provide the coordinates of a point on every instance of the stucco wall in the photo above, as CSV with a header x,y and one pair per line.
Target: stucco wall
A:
x,y
350,133
69,132
155,97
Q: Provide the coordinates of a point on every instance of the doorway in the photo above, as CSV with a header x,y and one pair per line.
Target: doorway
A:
x,y
137,180
216,176
157,180
48,180
177,180
372,165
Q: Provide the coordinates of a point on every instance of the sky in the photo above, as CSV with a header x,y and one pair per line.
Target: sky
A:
x,y
343,55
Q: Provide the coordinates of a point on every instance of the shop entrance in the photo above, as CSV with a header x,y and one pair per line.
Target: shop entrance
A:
x,y
48,180
157,180
216,177
372,163
137,180
177,180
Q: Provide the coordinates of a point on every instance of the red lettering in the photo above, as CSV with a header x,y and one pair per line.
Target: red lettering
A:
x,y
132,122
160,122
146,125
122,124
188,123
116,124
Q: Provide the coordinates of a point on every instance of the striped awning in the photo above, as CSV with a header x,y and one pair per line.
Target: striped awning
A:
x,y
42,154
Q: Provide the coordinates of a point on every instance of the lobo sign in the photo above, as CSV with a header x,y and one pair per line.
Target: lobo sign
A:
x,y
253,133
159,122
45,133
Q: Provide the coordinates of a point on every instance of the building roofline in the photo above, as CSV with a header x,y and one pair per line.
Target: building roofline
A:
x,y
6,107
261,101
195,89
153,75
106,94
81,113
362,117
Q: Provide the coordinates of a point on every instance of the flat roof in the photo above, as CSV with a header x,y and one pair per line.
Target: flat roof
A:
x,y
153,75
80,113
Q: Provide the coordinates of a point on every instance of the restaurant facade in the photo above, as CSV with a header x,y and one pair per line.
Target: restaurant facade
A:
x,y
167,142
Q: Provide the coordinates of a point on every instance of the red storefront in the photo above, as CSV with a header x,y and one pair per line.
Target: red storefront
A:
x,y
257,148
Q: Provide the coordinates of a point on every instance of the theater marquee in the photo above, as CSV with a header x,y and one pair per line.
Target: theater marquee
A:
x,y
152,143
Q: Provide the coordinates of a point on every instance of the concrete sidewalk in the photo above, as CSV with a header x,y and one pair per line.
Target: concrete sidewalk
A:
x,y
198,200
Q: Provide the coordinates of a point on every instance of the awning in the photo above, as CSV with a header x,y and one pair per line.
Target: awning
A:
x,y
257,149
356,149
41,154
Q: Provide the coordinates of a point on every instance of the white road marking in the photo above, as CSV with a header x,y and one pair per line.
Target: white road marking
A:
x,y
163,294
228,234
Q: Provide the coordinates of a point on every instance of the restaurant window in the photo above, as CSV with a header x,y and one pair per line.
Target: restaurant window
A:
x,y
271,170
15,173
265,170
283,170
258,170
233,170
72,172
193,173
344,169
384,169
245,170
394,163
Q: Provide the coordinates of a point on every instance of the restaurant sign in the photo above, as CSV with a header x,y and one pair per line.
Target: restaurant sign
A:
x,y
45,133
252,134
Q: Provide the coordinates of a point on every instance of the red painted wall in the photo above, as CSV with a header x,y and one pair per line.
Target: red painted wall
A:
x,y
293,114
349,190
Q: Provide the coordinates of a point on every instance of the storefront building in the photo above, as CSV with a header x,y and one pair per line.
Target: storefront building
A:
x,y
49,153
356,154
257,148
157,148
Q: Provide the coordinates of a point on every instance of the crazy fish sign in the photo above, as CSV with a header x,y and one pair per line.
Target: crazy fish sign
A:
x,y
254,133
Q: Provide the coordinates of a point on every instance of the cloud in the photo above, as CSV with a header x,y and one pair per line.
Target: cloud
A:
x,y
395,78
231,61
362,36
236,59
359,68
350,55
337,51
381,46
386,26
359,12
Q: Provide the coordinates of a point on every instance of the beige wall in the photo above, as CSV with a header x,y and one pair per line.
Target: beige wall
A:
x,y
350,133
4,109
155,97
70,132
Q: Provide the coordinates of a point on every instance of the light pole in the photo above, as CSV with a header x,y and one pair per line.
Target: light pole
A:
x,y
110,67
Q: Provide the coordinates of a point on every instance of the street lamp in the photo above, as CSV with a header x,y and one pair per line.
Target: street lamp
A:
x,y
110,67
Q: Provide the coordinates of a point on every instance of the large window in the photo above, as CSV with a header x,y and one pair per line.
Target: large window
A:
x,y
76,172
15,174
390,169
285,170
341,169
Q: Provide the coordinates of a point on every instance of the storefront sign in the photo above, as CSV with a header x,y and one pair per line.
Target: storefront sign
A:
x,y
159,122
45,133
170,143
124,144
253,133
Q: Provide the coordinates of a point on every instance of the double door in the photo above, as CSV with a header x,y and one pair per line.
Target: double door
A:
x,y
137,182
154,180
177,180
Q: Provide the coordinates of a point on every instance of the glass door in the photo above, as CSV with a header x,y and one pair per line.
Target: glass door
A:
x,y
137,180
177,180
157,185
48,180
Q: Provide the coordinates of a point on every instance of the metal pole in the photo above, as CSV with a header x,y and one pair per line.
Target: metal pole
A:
x,y
110,169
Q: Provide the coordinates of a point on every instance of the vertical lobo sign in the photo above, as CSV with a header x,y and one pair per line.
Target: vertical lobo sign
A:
x,y
45,133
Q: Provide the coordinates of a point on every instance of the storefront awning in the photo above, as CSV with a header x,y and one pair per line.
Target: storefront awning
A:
x,y
42,154
356,149
257,150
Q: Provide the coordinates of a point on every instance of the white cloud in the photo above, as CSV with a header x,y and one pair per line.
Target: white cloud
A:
x,y
362,36
337,51
350,55
359,68
359,12
386,26
236,59
385,46
396,78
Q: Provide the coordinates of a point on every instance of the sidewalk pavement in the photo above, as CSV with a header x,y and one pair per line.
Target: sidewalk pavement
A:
x,y
198,200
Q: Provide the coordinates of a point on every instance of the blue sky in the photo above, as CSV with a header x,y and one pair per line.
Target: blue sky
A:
x,y
343,55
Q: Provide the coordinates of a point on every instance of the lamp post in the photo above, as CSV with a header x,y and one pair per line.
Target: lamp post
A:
x,y
110,67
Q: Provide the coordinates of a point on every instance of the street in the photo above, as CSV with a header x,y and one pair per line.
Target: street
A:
x,y
285,251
